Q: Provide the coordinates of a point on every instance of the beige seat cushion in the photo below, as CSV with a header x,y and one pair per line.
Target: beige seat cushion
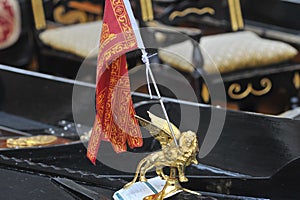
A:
x,y
229,52
79,39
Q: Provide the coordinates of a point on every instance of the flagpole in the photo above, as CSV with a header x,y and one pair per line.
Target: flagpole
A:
x,y
145,59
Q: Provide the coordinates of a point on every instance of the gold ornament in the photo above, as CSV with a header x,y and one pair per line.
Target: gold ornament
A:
x,y
170,155
39,140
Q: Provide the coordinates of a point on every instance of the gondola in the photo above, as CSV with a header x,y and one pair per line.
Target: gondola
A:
x,y
255,157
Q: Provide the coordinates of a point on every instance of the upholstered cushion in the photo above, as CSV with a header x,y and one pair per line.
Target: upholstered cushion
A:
x,y
229,52
79,39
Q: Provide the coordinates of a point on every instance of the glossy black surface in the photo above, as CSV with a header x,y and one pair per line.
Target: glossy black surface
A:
x,y
276,12
255,156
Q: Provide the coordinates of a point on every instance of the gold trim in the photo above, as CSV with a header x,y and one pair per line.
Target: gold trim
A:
x,y
296,80
233,17
147,10
39,140
187,11
205,93
38,14
235,88
239,15
143,10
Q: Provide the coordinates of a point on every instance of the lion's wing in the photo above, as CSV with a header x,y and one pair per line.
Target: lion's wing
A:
x,y
158,133
158,128
163,124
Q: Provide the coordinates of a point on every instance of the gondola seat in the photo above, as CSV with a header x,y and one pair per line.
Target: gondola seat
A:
x,y
229,52
78,39
251,67
67,36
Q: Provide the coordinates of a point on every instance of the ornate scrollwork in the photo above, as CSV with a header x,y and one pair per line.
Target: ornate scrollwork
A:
x,y
234,90
188,11
70,17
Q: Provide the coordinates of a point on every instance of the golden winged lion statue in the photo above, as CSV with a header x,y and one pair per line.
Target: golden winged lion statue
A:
x,y
171,155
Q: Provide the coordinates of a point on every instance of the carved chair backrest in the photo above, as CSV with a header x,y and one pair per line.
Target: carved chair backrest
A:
x,y
54,48
65,12
217,13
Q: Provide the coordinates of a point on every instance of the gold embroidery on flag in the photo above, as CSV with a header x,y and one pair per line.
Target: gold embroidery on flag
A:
x,y
106,36
115,113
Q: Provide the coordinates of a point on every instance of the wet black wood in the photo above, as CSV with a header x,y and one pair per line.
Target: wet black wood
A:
x,y
17,185
256,155
274,12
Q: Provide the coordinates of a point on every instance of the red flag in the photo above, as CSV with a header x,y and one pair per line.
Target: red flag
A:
x,y
114,121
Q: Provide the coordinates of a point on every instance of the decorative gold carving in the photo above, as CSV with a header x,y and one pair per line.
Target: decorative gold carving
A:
x,y
267,84
235,15
144,10
239,16
296,80
86,6
188,11
171,187
39,140
147,10
205,93
234,90
74,16
38,14
171,155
